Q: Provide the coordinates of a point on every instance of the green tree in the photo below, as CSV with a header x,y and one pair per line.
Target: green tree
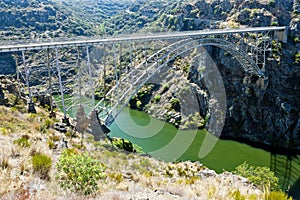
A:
x,y
79,172
262,177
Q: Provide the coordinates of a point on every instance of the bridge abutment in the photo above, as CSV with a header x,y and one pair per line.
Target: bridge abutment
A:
x,y
31,108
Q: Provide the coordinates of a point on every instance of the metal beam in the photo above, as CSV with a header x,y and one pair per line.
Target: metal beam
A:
x,y
60,84
27,77
79,76
152,37
116,71
18,74
50,81
90,74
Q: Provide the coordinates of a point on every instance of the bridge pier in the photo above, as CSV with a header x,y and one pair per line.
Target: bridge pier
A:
x,y
90,74
31,108
18,74
98,129
65,120
50,83
116,72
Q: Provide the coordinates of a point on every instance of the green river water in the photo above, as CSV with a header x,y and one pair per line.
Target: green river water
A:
x,y
165,142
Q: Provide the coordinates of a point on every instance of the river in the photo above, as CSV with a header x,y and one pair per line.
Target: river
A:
x,y
163,141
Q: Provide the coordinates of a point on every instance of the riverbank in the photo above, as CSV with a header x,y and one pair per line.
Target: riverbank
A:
x,y
225,155
267,147
128,175
25,137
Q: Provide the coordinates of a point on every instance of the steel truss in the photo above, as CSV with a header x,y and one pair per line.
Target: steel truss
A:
x,y
80,68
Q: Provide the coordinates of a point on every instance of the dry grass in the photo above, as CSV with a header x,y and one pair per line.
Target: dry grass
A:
x,y
128,175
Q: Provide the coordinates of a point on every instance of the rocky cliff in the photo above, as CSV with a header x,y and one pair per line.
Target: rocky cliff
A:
x,y
271,116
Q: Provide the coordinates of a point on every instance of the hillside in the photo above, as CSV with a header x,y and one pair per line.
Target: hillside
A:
x,y
33,147
36,155
39,19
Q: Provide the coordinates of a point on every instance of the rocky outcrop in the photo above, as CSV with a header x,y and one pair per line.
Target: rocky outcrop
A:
x,y
269,116
261,110
3,101
7,64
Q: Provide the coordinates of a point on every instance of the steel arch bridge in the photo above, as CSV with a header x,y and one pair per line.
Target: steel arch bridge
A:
x,y
81,66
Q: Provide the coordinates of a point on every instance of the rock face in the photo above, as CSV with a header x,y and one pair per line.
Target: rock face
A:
x,y
272,115
269,116
261,110
2,97
7,64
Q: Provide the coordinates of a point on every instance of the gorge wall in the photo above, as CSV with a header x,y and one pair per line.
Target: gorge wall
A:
x,y
270,116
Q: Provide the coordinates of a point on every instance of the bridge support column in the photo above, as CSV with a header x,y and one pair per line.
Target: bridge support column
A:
x,y
31,108
265,46
90,74
131,66
50,82
145,57
99,130
104,67
120,56
116,72
18,75
65,119
79,76
256,48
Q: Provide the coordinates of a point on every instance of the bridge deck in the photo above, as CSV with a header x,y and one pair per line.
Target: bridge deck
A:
x,y
38,45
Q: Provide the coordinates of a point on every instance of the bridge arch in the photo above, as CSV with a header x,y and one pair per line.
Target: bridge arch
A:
x,y
121,94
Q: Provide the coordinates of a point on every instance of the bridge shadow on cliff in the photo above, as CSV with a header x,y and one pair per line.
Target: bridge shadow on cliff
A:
x,y
287,168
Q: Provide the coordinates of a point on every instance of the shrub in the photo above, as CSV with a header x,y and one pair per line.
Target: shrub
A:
x,y
272,3
274,23
181,172
165,88
41,165
236,195
51,144
169,173
55,138
4,163
277,195
31,117
186,67
79,172
22,142
262,177
4,131
117,177
175,104
297,58
46,125
138,104
157,98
